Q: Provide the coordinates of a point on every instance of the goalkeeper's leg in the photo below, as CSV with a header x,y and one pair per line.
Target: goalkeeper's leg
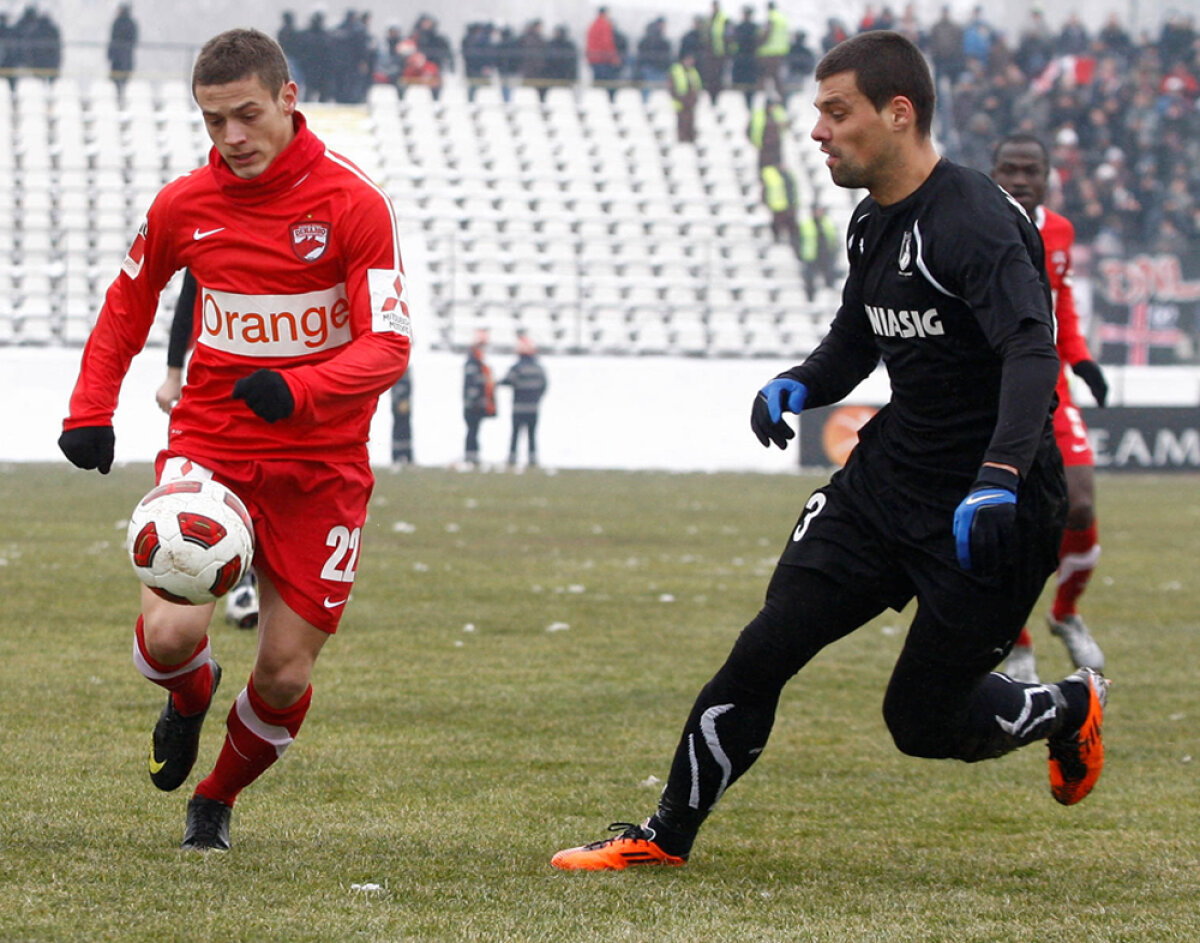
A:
x,y
732,718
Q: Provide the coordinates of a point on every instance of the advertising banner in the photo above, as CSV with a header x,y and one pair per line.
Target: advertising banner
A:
x,y
1147,309
1124,439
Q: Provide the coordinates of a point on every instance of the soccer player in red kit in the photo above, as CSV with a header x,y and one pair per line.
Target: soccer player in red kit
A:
x,y
303,324
1021,166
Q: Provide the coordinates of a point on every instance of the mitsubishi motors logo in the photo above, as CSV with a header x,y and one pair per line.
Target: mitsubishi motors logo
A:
x,y
309,240
389,301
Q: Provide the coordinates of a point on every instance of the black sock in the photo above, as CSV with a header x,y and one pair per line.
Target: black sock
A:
x,y
670,840
1078,696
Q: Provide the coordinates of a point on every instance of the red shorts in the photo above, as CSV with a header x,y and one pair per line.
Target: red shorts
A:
x,y
308,519
1071,435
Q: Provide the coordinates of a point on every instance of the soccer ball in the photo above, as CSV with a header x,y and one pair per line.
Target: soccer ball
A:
x,y
190,540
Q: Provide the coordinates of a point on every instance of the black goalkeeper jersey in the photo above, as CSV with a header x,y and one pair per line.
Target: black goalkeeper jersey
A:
x,y
948,287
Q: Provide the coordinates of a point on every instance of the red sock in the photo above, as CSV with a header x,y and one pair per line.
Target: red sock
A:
x,y
1024,638
256,736
190,683
1076,560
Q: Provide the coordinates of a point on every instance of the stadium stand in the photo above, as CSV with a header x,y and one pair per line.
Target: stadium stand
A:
x,y
577,219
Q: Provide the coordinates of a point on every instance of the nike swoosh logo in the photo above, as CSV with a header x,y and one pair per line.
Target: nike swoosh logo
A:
x,y
983,496
154,765
330,604
1079,448
201,234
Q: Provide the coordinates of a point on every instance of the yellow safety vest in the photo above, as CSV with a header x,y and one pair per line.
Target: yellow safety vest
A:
x,y
683,78
775,189
808,239
758,122
777,42
809,236
716,32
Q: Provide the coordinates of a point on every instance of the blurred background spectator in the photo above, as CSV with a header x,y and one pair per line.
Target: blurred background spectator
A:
x,y
122,41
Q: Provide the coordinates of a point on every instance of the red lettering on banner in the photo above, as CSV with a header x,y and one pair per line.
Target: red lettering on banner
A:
x,y
1144,277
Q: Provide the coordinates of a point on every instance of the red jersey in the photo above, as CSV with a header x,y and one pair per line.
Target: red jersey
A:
x,y
298,270
1058,235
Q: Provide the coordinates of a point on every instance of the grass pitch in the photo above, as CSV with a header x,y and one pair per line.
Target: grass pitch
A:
x,y
511,676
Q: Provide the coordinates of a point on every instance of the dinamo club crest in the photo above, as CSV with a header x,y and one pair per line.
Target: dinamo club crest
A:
x,y
309,240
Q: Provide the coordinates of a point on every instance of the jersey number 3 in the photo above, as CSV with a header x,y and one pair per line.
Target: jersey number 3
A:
x,y
812,508
343,560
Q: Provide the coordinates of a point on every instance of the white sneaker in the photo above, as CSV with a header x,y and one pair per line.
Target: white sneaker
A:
x,y
1021,665
1082,648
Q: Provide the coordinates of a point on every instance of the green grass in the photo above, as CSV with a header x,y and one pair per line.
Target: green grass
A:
x,y
446,765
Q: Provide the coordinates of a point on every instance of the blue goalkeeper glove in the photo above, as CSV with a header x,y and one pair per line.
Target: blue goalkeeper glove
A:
x,y
985,519
766,417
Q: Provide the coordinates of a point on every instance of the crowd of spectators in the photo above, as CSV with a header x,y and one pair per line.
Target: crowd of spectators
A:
x,y
339,64
1118,112
490,51
331,64
33,44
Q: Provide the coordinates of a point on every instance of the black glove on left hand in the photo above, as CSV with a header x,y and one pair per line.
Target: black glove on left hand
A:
x,y
267,393
89,447
1090,373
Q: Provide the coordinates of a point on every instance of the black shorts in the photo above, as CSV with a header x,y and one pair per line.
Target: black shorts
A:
x,y
877,532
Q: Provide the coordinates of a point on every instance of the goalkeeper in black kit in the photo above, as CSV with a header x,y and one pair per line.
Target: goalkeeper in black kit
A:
x,y
954,496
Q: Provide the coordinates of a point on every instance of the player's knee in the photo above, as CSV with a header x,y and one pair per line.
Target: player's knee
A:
x,y
915,735
172,634
761,662
738,680
281,686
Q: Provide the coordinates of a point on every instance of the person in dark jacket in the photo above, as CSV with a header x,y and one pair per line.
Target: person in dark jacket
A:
x,y
479,396
744,73
562,58
123,38
316,60
402,443
653,57
291,41
528,382
478,56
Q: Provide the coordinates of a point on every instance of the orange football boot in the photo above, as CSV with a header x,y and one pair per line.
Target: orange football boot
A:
x,y
635,845
1077,759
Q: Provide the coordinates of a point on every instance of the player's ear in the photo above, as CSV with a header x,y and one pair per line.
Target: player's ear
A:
x,y
901,113
289,95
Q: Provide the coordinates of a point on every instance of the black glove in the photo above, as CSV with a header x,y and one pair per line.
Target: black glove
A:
x,y
1090,373
783,394
984,521
267,393
89,447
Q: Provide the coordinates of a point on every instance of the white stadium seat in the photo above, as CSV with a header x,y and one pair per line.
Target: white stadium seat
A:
x,y
577,212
